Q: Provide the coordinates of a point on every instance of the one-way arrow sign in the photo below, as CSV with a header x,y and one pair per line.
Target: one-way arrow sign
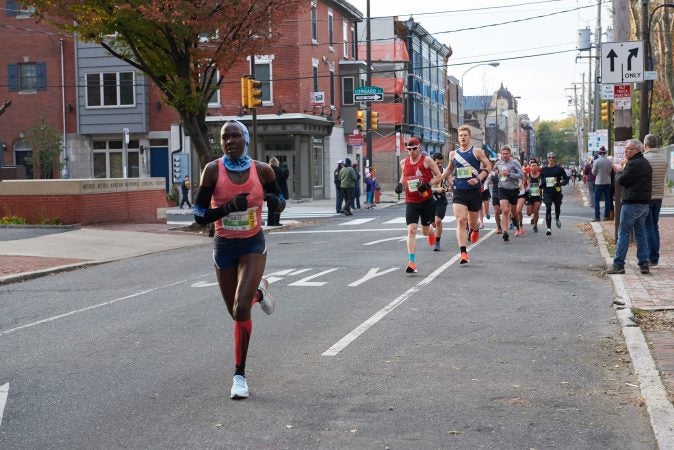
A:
x,y
622,62
368,97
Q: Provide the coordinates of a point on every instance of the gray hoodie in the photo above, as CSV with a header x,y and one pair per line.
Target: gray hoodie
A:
x,y
514,174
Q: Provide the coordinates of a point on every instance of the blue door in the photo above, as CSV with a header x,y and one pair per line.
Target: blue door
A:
x,y
159,165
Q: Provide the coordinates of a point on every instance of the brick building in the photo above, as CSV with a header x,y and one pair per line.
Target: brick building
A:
x,y
37,77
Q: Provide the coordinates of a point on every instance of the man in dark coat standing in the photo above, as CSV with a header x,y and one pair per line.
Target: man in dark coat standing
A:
x,y
635,176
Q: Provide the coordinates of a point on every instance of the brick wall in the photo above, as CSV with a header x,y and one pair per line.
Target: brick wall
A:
x,y
117,207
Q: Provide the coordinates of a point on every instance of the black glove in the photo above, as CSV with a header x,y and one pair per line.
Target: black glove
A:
x,y
399,188
274,203
423,187
239,203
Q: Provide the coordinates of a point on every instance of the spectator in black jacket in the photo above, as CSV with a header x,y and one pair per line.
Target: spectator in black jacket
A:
x,y
635,176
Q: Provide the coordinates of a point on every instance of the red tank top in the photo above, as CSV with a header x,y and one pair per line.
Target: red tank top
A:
x,y
416,174
242,224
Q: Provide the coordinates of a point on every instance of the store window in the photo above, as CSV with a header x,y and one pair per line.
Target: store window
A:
x,y
109,159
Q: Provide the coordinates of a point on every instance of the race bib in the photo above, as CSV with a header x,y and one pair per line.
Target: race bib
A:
x,y
412,184
535,191
550,181
464,172
240,220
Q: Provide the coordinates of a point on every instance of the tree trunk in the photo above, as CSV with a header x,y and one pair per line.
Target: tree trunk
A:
x,y
195,125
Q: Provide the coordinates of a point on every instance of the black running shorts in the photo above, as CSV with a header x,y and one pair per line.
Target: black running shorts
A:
x,y
424,211
471,198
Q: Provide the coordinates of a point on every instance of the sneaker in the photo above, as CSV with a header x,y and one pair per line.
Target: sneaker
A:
x,y
437,247
474,236
653,263
558,223
535,228
411,268
488,216
239,387
518,232
511,226
464,258
499,231
594,220
615,270
267,303
548,232
644,269
431,239
481,226
506,238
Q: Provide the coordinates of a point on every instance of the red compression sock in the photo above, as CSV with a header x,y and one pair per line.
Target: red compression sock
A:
x,y
242,331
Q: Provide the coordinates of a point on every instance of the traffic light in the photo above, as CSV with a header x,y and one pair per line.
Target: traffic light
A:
x,y
254,92
244,92
605,109
374,120
179,167
360,120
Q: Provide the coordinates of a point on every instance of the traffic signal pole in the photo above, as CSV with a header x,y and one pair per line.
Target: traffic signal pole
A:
x,y
368,120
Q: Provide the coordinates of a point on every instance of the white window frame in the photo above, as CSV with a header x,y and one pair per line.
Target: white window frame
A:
x,y
102,92
345,37
20,78
331,30
107,151
24,11
314,22
268,59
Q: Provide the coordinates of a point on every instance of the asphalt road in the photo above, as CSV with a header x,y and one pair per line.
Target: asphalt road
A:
x,y
518,349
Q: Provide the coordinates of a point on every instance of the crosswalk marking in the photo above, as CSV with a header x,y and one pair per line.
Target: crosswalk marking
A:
x,y
357,221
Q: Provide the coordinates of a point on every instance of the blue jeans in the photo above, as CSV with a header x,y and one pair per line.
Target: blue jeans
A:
x,y
599,191
652,230
632,218
339,199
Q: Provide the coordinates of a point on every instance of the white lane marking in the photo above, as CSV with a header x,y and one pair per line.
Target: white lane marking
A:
x,y
281,272
99,305
372,273
357,221
396,220
379,241
4,393
297,272
306,282
362,328
201,284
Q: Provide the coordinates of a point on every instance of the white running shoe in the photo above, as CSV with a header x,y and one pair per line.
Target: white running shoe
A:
x,y
267,303
239,387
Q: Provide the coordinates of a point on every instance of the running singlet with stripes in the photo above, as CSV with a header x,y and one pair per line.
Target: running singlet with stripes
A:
x,y
240,224
416,174
463,174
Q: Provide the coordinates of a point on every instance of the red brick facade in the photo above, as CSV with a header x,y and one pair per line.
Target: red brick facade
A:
x,y
24,41
119,207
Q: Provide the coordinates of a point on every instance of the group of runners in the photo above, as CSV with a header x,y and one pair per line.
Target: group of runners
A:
x,y
474,180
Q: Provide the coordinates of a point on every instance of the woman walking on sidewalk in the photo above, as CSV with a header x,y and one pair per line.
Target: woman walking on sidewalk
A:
x,y
231,193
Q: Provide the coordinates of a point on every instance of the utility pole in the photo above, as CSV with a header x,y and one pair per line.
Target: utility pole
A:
x,y
622,118
646,38
597,65
621,27
583,127
368,114
579,122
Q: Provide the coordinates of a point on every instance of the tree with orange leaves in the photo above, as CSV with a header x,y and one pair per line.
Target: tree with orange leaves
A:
x,y
181,45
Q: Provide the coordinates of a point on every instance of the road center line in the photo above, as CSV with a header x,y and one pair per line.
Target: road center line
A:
x,y
363,327
99,305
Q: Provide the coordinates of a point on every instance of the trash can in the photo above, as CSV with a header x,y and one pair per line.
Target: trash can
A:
x,y
377,195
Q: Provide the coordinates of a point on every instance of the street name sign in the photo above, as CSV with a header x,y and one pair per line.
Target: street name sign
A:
x,y
622,62
368,94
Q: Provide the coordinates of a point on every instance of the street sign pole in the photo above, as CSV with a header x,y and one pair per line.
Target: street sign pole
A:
x,y
368,114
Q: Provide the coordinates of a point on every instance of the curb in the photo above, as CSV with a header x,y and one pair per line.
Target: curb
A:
x,y
660,410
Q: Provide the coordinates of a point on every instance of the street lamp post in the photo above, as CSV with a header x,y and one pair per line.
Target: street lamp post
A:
x,y
493,64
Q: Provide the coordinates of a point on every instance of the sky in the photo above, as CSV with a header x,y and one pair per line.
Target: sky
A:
x,y
544,83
